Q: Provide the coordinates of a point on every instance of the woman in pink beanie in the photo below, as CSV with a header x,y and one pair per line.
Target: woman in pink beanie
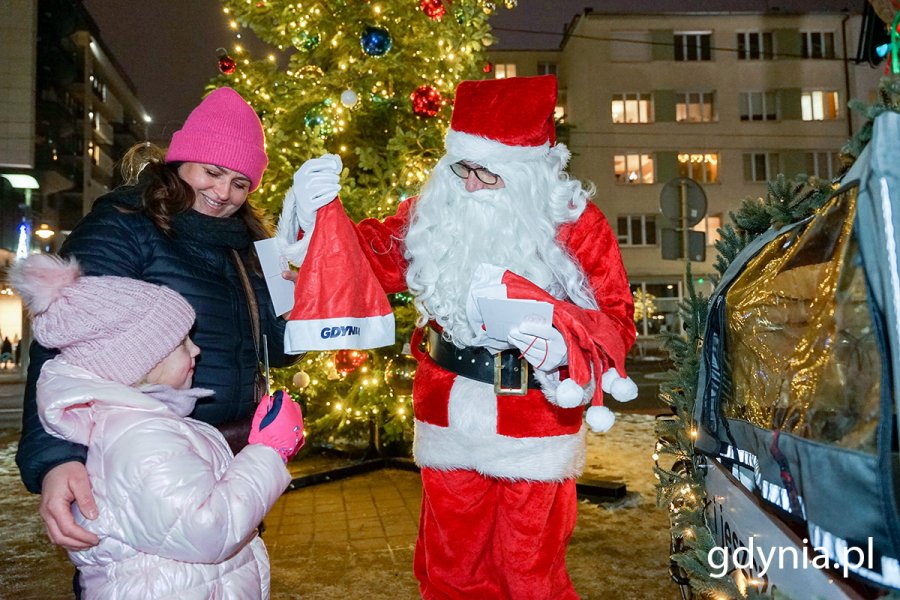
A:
x,y
184,223
177,511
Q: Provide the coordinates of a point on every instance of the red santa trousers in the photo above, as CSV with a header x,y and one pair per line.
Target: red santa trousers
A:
x,y
483,538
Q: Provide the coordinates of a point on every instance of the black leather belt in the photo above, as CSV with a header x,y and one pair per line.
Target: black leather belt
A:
x,y
508,373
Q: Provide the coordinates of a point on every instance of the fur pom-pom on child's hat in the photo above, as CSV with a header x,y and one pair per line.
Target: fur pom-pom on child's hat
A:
x,y
115,327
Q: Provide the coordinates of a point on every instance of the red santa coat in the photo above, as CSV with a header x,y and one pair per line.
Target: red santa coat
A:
x,y
460,423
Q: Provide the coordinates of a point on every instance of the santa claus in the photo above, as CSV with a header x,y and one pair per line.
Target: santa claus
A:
x,y
499,431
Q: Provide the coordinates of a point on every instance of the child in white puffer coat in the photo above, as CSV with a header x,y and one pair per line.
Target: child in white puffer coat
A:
x,y
177,511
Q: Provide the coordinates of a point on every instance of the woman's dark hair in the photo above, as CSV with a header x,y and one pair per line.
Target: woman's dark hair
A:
x,y
167,194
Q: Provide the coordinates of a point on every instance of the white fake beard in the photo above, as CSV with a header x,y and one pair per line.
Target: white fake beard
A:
x,y
452,231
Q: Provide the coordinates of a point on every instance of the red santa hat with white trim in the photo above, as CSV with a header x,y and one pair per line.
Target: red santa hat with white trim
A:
x,y
338,302
498,121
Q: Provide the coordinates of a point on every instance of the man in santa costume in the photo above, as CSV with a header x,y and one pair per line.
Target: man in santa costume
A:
x,y
499,431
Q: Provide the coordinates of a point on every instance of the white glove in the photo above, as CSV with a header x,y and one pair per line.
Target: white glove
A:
x,y
541,344
622,389
316,183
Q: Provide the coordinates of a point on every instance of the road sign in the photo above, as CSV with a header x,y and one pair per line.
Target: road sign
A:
x,y
683,199
673,243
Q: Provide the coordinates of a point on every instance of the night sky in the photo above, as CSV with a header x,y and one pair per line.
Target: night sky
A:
x,y
168,47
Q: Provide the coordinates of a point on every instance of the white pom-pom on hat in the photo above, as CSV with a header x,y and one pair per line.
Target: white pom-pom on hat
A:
x,y
42,278
569,394
600,418
622,389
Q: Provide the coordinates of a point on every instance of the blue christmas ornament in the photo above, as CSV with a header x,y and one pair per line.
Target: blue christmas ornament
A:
x,y
376,41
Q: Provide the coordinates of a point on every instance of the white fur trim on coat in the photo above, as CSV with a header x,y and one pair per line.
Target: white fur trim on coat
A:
x,y
472,442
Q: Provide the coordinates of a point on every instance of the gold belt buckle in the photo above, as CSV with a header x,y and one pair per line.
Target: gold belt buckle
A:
x,y
498,385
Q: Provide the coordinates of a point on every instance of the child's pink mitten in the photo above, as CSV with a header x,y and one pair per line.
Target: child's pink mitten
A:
x,y
278,424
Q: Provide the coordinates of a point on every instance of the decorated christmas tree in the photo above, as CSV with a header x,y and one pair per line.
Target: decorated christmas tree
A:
x,y
371,81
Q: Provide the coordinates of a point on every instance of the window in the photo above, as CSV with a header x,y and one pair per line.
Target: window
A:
x,y
817,44
505,70
694,107
823,165
632,108
692,45
630,46
633,168
710,225
755,45
819,105
637,230
761,166
758,106
656,307
546,68
703,168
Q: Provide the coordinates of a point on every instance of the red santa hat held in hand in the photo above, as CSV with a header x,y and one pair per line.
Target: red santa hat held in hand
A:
x,y
338,302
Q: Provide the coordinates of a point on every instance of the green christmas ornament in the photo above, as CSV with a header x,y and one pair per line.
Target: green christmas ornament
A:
x,y
316,117
305,41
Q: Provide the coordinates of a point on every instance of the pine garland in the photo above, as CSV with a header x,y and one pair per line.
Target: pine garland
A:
x,y
681,488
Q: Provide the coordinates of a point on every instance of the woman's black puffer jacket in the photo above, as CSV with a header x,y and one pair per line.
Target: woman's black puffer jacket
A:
x,y
195,261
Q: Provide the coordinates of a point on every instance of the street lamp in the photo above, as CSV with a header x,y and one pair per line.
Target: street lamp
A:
x,y
44,232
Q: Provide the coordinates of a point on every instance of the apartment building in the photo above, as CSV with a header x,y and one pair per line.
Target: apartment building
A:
x,y
71,110
68,113
726,99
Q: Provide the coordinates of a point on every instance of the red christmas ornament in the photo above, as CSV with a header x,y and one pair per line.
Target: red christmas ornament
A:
x,y
434,9
426,101
226,63
488,67
347,361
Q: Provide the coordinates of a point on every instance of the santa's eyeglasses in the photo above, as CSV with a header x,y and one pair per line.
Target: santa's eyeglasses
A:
x,y
462,170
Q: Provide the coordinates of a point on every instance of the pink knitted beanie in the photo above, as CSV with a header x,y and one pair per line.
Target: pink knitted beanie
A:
x,y
223,130
115,327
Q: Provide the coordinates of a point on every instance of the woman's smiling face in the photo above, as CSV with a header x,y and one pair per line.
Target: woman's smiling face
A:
x,y
218,191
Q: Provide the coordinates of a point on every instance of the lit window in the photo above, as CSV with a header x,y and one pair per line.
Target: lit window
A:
x,y
823,165
699,167
633,168
504,71
755,45
632,108
636,230
693,45
694,107
758,106
656,307
761,166
819,105
817,44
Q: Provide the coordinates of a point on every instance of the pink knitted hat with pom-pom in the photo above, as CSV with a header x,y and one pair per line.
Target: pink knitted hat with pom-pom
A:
x,y
115,327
